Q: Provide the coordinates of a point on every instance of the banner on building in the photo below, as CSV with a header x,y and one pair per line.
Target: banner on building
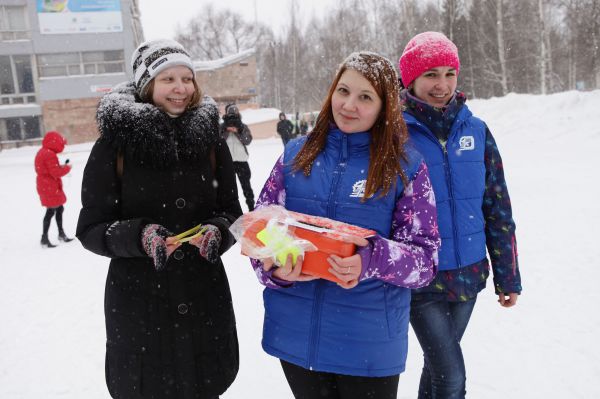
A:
x,y
79,16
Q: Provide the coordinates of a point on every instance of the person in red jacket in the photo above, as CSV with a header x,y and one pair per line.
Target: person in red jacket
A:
x,y
49,183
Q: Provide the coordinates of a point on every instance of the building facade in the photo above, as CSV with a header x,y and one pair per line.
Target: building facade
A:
x,y
232,79
57,58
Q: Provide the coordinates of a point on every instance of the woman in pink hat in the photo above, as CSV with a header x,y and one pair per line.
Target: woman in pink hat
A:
x,y
474,210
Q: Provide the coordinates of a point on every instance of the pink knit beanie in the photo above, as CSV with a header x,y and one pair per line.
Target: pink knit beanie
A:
x,y
425,51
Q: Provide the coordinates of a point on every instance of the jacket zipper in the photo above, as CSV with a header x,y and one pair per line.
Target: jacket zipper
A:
x,y
448,171
320,285
448,175
315,324
337,174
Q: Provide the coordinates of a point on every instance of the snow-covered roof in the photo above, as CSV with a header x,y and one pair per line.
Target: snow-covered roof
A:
x,y
223,62
251,116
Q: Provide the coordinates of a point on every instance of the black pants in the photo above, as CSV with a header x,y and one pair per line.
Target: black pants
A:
x,y
58,211
242,170
306,384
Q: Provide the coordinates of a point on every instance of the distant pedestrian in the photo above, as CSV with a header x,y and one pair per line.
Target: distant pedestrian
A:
x,y
296,123
49,184
238,137
303,126
311,122
285,129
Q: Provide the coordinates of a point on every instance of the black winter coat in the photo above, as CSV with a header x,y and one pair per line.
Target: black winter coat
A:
x,y
170,334
285,129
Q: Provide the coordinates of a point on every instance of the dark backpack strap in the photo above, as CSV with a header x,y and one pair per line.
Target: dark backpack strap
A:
x,y
213,160
119,164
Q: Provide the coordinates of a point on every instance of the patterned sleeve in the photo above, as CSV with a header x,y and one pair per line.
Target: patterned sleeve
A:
x,y
409,259
273,193
499,224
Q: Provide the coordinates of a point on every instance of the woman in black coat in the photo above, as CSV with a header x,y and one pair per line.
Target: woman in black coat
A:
x,y
158,169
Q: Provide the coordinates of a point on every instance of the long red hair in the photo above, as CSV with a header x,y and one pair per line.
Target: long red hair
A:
x,y
388,134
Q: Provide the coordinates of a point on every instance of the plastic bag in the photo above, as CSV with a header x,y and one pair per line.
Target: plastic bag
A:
x,y
266,233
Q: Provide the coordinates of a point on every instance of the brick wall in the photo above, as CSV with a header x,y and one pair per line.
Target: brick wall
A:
x,y
74,119
264,130
233,82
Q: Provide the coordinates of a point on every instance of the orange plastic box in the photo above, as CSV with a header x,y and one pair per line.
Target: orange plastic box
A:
x,y
326,234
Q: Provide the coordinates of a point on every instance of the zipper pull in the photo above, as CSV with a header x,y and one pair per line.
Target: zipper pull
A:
x,y
344,147
444,144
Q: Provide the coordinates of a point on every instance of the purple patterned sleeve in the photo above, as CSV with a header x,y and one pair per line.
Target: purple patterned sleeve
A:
x,y
273,193
409,259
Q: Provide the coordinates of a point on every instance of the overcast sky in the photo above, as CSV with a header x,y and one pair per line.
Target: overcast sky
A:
x,y
160,19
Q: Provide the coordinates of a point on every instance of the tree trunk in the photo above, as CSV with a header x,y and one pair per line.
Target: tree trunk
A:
x,y
542,61
501,56
470,55
294,32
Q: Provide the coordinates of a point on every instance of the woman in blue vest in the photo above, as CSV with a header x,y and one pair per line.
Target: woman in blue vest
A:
x,y
349,340
473,205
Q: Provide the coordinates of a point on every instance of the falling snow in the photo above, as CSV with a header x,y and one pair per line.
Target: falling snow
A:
x,y
51,301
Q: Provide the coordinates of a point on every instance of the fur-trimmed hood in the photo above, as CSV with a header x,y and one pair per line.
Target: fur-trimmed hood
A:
x,y
150,136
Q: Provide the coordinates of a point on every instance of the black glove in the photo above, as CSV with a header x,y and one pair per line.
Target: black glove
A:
x,y
209,243
153,241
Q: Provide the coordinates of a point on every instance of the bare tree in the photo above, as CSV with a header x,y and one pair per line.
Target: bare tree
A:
x,y
536,46
451,12
215,34
501,47
543,47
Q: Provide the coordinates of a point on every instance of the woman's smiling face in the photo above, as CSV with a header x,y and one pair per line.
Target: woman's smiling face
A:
x,y
173,89
355,103
436,86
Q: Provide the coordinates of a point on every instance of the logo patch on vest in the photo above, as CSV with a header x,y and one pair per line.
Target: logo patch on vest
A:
x,y
467,143
358,189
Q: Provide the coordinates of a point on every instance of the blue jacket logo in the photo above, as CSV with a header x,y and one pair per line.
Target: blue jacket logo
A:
x,y
358,189
467,143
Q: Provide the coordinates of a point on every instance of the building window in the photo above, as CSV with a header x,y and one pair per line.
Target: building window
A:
x,y
19,129
16,80
13,23
85,63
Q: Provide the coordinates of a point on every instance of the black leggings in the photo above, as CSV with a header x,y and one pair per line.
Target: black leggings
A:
x,y
58,211
306,384
242,170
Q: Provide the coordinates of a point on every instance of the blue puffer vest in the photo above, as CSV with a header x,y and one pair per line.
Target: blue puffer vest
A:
x,y
318,325
457,173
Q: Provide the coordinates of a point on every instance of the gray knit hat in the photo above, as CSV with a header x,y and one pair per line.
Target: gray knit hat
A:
x,y
154,56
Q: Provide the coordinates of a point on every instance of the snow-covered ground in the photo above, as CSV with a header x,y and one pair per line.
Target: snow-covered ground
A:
x,y
51,301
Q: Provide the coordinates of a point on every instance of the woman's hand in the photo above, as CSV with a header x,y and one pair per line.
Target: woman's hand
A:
x,y
208,243
346,269
172,245
159,244
289,271
508,300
